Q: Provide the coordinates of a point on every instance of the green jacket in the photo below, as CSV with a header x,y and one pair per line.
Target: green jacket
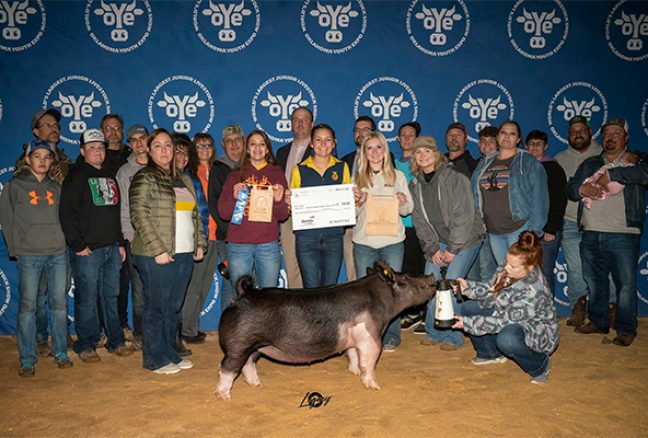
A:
x,y
153,213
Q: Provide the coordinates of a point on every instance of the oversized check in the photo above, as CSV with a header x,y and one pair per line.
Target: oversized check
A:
x,y
322,207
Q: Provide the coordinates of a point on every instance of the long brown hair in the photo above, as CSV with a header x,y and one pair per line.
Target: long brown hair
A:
x,y
364,177
244,162
151,163
529,249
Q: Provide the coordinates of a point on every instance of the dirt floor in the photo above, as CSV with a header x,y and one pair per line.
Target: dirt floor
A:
x,y
593,390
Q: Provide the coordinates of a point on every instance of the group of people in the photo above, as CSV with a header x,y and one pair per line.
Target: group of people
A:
x,y
162,214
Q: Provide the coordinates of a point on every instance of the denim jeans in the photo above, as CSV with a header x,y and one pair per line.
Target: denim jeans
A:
x,y
320,258
617,254
200,284
500,244
30,270
164,292
96,277
484,266
137,293
458,268
42,329
365,257
227,295
549,256
264,258
576,286
508,342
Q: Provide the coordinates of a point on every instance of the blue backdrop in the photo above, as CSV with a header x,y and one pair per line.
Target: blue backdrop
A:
x,y
200,65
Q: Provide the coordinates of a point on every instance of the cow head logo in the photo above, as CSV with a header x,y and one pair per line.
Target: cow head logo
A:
x,y
538,29
576,99
438,28
226,26
389,101
626,30
333,26
485,102
119,26
22,23
275,100
183,101
81,101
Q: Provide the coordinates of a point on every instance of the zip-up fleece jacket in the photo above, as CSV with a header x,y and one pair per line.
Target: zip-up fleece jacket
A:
x,y
89,210
457,210
125,175
527,190
527,302
634,177
29,215
153,213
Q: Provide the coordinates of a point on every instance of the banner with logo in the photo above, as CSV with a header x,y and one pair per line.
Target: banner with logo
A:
x,y
198,65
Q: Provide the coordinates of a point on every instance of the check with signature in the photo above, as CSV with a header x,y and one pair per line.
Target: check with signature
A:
x,y
322,207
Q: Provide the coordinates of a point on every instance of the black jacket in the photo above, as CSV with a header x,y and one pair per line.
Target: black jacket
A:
x,y
465,163
89,210
217,177
556,180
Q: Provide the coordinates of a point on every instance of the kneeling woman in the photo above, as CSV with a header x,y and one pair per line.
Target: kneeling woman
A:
x,y
168,238
254,245
515,316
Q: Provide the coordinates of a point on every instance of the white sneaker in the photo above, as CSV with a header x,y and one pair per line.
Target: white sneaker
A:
x,y
185,364
170,368
482,361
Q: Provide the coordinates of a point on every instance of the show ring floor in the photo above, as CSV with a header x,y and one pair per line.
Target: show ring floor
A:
x,y
593,390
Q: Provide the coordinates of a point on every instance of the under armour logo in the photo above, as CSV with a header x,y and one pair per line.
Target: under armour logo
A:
x,y
35,198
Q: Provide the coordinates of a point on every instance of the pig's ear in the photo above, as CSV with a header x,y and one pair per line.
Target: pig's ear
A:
x,y
386,273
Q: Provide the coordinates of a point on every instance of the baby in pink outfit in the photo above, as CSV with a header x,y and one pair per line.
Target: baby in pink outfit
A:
x,y
613,187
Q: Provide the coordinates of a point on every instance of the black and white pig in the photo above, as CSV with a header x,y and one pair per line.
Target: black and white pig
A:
x,y
308,325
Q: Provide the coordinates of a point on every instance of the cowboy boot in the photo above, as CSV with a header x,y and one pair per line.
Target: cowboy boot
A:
x,y
578,312
179,345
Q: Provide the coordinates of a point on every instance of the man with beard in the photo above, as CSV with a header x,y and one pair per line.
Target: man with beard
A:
x,y
612,227
581,147
112,126
456,139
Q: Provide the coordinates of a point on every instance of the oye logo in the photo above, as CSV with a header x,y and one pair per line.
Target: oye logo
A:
x,y
387,99
562,274
485,101
277,98
226,26
209,306
540,29
184,101
118,26
22,23
333,26
7,295
644,119
77,98
438,28
642,269
576,99
626,30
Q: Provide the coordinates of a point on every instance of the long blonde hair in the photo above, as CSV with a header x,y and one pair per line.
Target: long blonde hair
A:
x,y
364,177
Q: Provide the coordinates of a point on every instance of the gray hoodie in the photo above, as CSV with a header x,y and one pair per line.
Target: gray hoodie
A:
x,y
124,177
29,214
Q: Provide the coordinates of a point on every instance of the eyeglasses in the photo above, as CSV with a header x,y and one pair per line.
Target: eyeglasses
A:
x,y
50,126
536,143
112,128
204,145
575,131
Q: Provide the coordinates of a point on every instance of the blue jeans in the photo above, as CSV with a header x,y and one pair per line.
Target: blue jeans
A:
x,y
227,296
365,257
320,258
500,244
549,256
137,293
508,342
30,270
576,286
264,258
617,254
164,292
96,280
42,329
458,268
484,266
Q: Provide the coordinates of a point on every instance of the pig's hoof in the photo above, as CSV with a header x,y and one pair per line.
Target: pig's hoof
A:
x,y
252,381
223,395
354,370
371,384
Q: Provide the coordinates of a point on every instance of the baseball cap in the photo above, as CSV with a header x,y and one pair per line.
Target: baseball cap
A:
x,y
232,129
136,129
42,112
92,135
579,119
457,125
617,121
39,144
425,141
